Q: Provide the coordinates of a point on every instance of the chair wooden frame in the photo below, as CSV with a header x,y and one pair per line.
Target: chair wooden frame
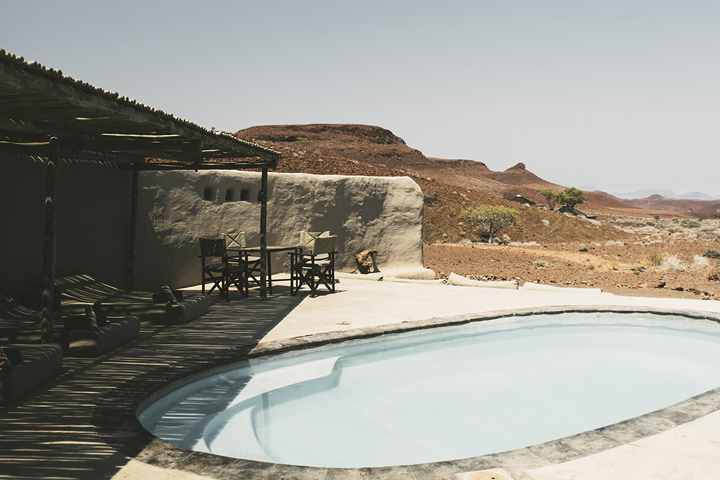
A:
x,y
222,274
314,268
253,264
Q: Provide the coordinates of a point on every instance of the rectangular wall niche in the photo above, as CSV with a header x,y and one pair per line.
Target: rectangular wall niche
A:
x,y
209,193
232,194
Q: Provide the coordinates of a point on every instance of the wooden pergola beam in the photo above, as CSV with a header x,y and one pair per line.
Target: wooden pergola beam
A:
x,y
49,244
52,118
201,166
37,101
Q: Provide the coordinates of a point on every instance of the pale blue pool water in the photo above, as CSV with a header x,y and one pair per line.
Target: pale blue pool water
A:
x,y
443,394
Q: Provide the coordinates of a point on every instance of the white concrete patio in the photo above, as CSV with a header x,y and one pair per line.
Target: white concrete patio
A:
x,y
690,451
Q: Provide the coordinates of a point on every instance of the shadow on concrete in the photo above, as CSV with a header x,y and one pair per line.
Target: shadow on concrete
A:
x,y
82,425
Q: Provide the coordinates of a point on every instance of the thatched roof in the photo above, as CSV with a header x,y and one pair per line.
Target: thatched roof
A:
x,y
38,104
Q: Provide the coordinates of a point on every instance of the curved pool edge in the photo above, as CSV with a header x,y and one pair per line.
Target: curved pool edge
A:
x,y
115,416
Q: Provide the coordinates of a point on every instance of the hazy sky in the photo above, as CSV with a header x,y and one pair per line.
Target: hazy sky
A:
x,y
616,94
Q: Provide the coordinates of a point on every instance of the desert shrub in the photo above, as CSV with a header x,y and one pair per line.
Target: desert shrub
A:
x,y
672,262
711,254
652,260
714,275
540,264
571,196
489,218
656,216
583,249
550,196
691,223
611,264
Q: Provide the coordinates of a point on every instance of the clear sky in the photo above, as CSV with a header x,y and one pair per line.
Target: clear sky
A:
x,y
617,94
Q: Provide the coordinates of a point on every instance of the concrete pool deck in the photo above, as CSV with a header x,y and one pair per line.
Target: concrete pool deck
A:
x,y
67,429
688,451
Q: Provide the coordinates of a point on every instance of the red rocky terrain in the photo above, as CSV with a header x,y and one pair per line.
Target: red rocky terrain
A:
x,y
618,247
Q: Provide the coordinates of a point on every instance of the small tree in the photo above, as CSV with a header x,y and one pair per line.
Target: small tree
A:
x,y
489,218
570,197
550,196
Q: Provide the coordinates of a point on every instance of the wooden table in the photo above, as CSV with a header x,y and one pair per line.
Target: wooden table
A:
x,y
270,249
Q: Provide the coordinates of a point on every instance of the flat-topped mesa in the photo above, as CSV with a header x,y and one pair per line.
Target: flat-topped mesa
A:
x,y
461,163
360,144
321,131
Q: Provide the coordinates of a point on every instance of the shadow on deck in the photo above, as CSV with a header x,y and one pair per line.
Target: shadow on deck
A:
x,y
82,425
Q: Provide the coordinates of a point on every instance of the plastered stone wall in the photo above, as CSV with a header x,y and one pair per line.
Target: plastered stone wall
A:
x,y
178,208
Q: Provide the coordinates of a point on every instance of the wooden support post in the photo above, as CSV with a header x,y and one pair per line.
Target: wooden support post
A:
x,y
263,233
49,244
133,230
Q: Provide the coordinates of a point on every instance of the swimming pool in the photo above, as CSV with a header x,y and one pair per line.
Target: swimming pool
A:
x,y
444,393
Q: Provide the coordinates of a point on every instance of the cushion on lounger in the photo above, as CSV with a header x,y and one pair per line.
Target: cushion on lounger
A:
x,y
82,322
10,358
168,295
5,364
87,343
14,354
40,363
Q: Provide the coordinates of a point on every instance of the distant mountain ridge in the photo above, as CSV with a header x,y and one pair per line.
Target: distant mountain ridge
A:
x,y
448,186
669,194
369,150
694,208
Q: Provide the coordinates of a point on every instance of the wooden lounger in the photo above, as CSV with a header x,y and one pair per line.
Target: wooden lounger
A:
x,y
40,364
74,292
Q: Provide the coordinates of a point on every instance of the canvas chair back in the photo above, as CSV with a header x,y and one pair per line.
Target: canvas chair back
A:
x,y
323,245
235,240
212,247
307,238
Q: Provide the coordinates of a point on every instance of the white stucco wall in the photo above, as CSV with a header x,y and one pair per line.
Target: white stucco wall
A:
x,y
380,213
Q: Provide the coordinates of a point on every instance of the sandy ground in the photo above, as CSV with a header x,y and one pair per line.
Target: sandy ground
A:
x,y
663,269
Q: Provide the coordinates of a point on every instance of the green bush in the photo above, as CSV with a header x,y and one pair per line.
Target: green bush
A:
x,y
489,218
711,254
550,196
571,196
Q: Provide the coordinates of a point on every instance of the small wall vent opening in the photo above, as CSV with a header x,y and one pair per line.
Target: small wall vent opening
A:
x,y
209,193
230,195
245,194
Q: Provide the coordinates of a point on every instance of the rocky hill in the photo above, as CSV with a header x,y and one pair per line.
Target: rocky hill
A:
x,y
449,186
690,207
625,250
